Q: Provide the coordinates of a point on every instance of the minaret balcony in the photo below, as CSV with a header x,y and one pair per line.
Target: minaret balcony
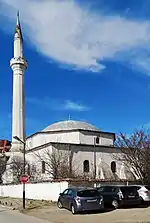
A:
x,y
18,61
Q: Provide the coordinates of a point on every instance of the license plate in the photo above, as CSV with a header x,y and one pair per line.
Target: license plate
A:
x,y
91,201
131,196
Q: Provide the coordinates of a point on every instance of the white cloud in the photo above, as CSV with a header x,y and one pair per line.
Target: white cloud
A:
x,y
70,105
69,34
51,104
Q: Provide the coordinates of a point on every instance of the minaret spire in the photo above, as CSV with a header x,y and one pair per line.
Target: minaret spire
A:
x,y
18,65
18,20
18,39
18,26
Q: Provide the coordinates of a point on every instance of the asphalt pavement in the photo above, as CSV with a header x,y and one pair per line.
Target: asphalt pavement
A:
x,y
8,216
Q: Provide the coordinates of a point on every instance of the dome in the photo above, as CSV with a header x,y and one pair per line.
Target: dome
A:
x,y
70,125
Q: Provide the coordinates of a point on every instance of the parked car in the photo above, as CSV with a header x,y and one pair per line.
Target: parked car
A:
x,y
80,199
144,193
117,196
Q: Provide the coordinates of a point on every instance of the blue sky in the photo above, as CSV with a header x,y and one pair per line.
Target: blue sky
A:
x,y
87,59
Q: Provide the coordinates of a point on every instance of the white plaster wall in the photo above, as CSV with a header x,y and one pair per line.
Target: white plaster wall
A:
x,y
104,155
63,137
38,191
107,140
88,138
35,157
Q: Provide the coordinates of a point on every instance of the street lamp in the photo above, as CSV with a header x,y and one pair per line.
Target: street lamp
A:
x,y
24,146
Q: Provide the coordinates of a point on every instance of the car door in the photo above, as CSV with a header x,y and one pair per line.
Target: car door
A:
x,y
107,193
69,198
103,192
64,198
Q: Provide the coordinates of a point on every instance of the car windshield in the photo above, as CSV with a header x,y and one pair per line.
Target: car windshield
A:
x,y
88,193
147,187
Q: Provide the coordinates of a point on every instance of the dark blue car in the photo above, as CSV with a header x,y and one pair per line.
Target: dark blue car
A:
x,y
80,199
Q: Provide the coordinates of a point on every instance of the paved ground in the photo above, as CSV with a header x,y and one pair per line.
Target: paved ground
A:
x,y
7,216
132,215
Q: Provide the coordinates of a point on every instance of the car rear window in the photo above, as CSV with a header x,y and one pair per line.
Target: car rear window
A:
x,y
88,193
126,190
147,187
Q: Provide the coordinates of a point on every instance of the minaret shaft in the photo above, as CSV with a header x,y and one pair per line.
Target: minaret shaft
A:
x,y
18,50
18,65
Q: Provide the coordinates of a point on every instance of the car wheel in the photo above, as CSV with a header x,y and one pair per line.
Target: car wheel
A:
x,y
73,210
115,204
59,205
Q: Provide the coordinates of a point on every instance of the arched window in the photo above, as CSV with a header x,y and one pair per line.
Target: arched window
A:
x,y
43,166
113,167
97,140
86,166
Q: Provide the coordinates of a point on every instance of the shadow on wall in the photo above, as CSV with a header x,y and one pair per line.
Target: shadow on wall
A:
x,y
109,172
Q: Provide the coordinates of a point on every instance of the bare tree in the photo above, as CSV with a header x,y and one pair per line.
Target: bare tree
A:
x,y
4,147
3,163
136,153
58,163
17,165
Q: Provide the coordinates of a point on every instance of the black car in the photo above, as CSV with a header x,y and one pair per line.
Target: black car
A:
x,y
117,196
80,199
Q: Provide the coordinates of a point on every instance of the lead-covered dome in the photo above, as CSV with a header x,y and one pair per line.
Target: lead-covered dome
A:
x,y
70,125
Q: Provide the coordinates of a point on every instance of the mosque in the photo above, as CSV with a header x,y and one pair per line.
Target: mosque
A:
x,y
92,150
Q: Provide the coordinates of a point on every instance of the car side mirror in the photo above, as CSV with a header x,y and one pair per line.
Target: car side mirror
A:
x,y
61,194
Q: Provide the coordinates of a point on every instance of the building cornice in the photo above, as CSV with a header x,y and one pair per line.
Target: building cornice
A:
x,y
74,130
69,144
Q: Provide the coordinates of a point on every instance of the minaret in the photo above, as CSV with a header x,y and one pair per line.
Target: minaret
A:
x,y
18,65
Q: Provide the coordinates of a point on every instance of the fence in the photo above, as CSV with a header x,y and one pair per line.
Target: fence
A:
x,y
51,190
38,191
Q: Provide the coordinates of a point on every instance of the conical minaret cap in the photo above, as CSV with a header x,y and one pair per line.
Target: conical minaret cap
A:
x,y
18,33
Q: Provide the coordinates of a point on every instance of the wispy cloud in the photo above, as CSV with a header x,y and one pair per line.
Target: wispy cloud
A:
x,y
70,105
53,104
70,34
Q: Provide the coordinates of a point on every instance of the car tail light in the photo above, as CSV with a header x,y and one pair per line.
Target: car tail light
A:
x,y
120,194
147,192
78,200
101,199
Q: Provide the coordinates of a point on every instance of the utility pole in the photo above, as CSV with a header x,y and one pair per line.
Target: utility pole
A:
x,y
96,141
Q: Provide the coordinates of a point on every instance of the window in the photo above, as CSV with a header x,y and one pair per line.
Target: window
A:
x,y
43,166
147,187
86,167
108,189
113,167
88,193
128,190
70,192
66,192
97,140
101,189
